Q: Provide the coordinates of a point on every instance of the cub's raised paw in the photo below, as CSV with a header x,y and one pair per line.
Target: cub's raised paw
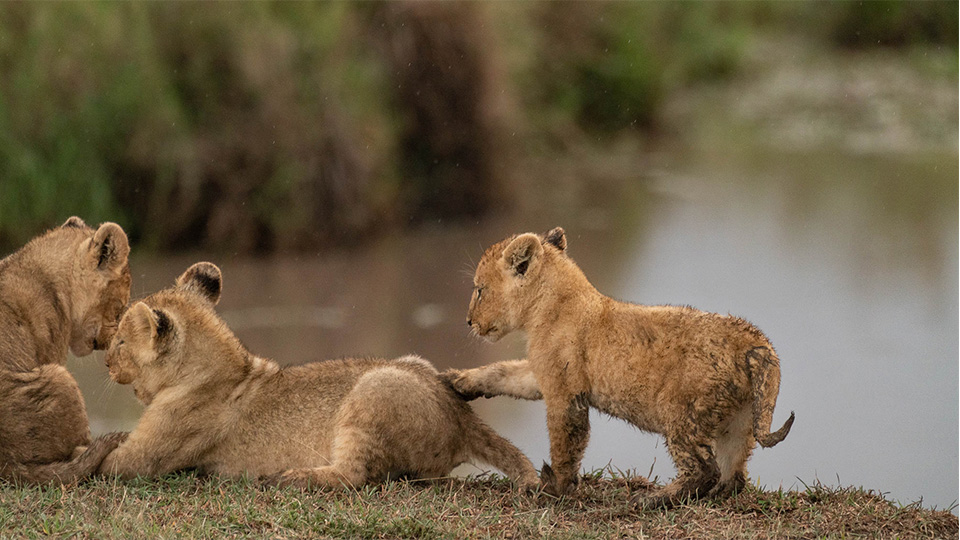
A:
x,y
461,383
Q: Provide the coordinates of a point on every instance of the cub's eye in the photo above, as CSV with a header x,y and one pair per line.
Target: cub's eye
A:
x,y
119,342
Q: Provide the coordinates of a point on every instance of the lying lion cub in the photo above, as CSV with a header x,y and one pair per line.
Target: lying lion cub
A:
x,y
213,405
64,290
707,382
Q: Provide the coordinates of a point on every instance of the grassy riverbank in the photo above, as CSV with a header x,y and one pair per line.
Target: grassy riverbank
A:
x,y
184,506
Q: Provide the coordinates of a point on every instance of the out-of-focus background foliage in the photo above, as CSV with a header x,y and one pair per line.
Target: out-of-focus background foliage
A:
x,y
254,127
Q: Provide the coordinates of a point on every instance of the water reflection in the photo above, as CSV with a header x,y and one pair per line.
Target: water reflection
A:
x,y
848,263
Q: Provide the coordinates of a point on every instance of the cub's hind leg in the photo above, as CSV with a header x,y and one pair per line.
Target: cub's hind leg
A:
x,y
697,470
512,378
352,454
734,446
390,425
355,452
489,447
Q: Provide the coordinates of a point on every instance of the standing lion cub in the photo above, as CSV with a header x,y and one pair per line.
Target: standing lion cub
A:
x,y
213,405
707,382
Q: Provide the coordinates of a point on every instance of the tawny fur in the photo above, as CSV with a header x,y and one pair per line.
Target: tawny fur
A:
x,y
707,382
214,406
64,290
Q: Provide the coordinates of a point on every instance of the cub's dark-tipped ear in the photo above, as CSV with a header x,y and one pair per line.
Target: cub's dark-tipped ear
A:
x,y
156,323
204,279
109,248
74,222
162,324
522,252
556,238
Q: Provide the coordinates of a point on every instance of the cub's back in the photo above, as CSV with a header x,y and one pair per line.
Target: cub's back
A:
x,y
318,388
665,328
290,419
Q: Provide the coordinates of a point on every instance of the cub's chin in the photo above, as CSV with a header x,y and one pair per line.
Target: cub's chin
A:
x,y
82,347
83,340
121,378
491,334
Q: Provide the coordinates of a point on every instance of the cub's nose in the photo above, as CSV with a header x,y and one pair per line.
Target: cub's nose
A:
x,y
469,322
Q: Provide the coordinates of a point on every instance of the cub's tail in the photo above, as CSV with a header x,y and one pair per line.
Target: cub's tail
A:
x,y
764,372
487,446
64,472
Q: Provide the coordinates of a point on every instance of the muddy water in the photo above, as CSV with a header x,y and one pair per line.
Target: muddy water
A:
x,y
848,262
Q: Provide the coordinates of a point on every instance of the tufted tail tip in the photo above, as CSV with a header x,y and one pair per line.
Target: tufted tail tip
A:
x,y
771,439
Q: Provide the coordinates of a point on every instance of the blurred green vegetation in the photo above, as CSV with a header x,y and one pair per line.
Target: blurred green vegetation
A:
x,y
239,125
608,66
894,23
262,126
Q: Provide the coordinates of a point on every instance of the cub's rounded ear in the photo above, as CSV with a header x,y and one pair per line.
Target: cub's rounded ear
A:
x,y
109,248
204,279
155,323
522,252
74,222
556,238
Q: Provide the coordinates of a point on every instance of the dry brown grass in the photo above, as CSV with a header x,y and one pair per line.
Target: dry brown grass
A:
x,y
187,506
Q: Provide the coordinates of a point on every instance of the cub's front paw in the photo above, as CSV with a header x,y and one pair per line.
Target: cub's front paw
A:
x,y
103,445
462,384
553,485
88,462
114,439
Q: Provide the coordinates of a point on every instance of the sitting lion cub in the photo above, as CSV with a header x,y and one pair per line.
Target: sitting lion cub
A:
x,y
707,382
64,290
213,405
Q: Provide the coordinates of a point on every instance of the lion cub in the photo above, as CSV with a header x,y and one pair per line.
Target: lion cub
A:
x,y
707,382
64,290
213,405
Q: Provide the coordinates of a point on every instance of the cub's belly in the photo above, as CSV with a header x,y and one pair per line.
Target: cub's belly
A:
x,y
625,409
242,456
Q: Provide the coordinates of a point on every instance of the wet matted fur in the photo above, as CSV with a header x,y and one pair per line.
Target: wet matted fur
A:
x,y
705,381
